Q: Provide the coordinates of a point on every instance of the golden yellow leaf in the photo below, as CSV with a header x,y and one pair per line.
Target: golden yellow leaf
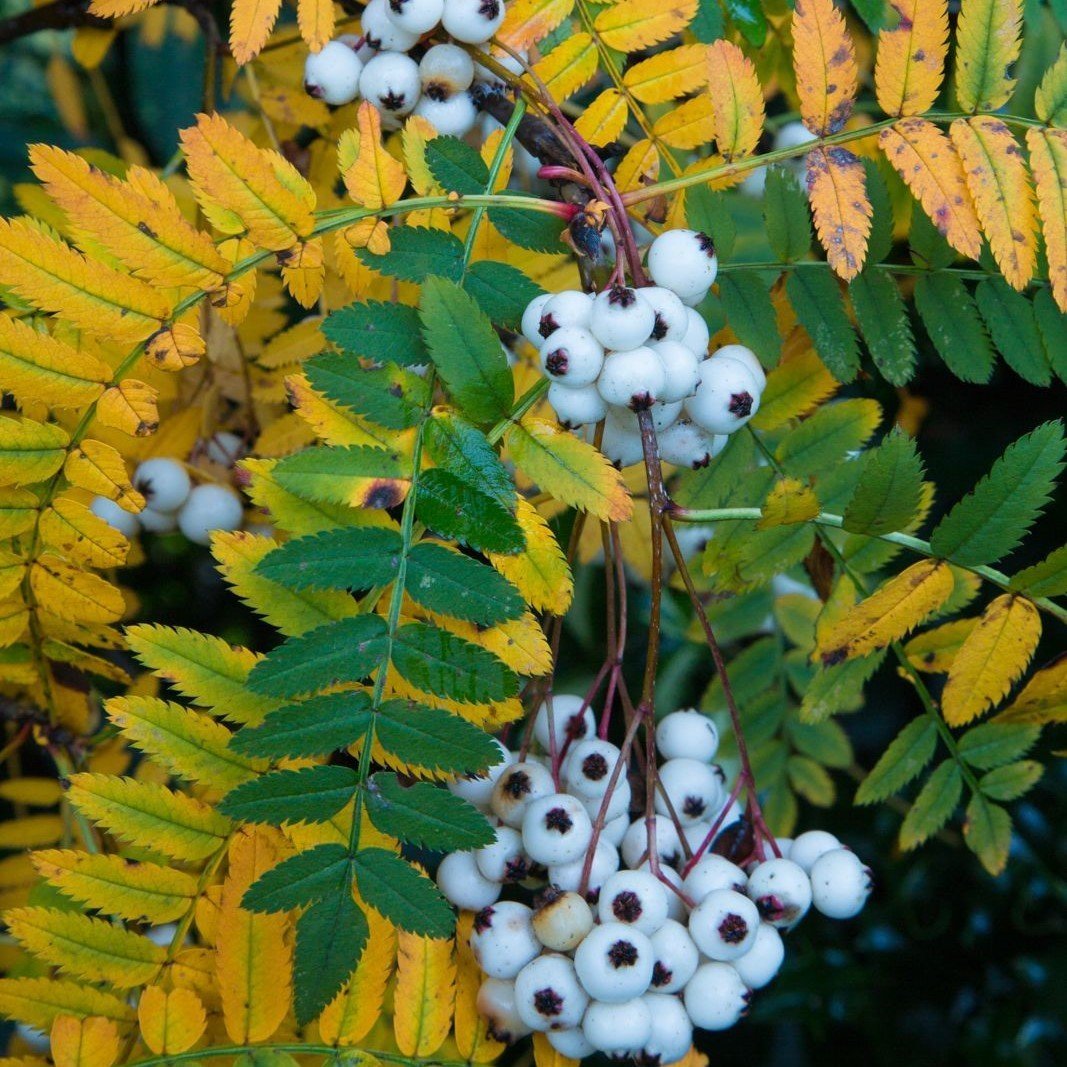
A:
x,y
31,831
472,1029
304,271
1048,158
789,502
603,120
69,527
425,993
251,22
373,178
37,367
89,1042
540,570
113,9
738,98
35,792
633,25
1043,699
569,66
1003,197
897,607
668,75
171,1021
925,158
73,593
130,407
315,19
176,347
934,650
911,57
528,22
417,132
990,660
987,43
546,1056
100,468
638,167
688,125
824,60
837,190
794,387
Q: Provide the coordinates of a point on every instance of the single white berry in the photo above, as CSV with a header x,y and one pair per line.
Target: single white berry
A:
x,y
472,21
332,74
568,876
614,963
209,508
685,444
390,81
622,446
516,787
381,32
683,261
562,919
502,938
496,1004
747,358
672,1031
671,882
617,804
571,355
478,790
713,872
556,829
454,117
716,997
687,734
164,483
615,829
588,767
634,848
697,336
693,789
636,898
445,69
158,522
677,957
462,883
618,1029
225,448
573,1044
809,846
568,308
531,319
633,378
781,891
793,135
724,924
763,960
568,718
581,406
504,860
726,397
125,522
681,367
840,884
621,320
672,316
415,16
662,414
785,845
548,995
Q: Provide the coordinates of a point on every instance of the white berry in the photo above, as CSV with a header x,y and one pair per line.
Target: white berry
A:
x,y
685,444
454,117
126,523
672,316
632,378
556,829
809,846
390,81
726,397
209,508
502,939
763,960
634,846
716,998
618,802
840,884
444,70
724,924
572,356
697,335
622,446
568,876
636,898
531,319
478,790
571,720
548,995
505,859
568,308
687,734
672,1030
747,358
164,483
415,16
562,919
332,74
614,963
680,365
683,261
677,957
793,135
618,1029
462,883
694,790
781,891
496,1003
472,21
381,32
573,1044
519,784
581,406
621,320
225,448
158,522
615,828
713,872
588,767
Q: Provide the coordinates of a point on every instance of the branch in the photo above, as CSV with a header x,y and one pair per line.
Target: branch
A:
x,y
58,15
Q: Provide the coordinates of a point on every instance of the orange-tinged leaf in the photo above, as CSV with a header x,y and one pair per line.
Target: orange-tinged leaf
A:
x,y
925,158
114,9
372,176
1048,159
789,502
34,366
668,75
990,660
1003,197
171,1021
688,125
987,43
130,407
175,347
540,571
824,60
1043,698
251,22
603,120
632,25
569,66
315,19
529,21
425,993
837,190
89,1042
738,98
73,593
100,468
911,57
472,1028
69,527
304,271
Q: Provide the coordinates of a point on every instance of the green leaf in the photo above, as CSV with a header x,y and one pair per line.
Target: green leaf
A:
x,y
433,738
929,247
748,17
1009,317
347,557
425,815
708,25
466,351
312,794
880,240
811,781
987,832
785,210
872,12
300,880
436,661
389,396
838,688
451,583
992,744
816,299
456,166
378,330
1011,781
751,315
464,451
416,253
933,806
501,291
883,321
708,210
908,753
990,521
535,230
824,440
344,651
320,725
401,894
330,937
1047,578
889,493
1052,324
826,742
952,321
452,508
335,474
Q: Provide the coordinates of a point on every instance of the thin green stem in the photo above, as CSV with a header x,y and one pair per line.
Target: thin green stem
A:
x,y
340,1055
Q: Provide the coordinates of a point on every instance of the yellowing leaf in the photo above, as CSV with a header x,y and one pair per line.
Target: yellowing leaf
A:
x,y
37,1002
824,60
1043,698
897,607
911,57
540,571
425,991
603,120
73,593
373,178
89,1042
632,25
738,99
794,387
668,75
472,1028
315,18
171,1021
130,407
529,21
98,467
925,158
991,659
1050,99
546,1056
790,501
569,66
1000,186
688,125
838,194
36,367
1048,158
638,167
304,271
987,43
72,529
934,650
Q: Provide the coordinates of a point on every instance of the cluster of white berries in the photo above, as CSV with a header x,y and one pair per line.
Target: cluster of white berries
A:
x,y
172,502
377,67
627,350
613,953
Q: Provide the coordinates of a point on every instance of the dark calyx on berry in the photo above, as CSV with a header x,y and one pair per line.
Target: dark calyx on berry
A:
x,y
733,929
621,296
547,1002
516,869
547,325
483,919
641,401
694,807
659,331
594,767
436,91
660,974
740,405
393,101
707,245
557,362
626,906
315,91
558,819
489,9
517,784
622,954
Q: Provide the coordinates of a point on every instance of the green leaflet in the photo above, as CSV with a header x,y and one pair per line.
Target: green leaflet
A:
x,y
1009,317
316,727
883,321
908,753
816,299
992,744
535,230
880,241
785,211
748,17
1012,780
389,396
334,473
378,330
987,831
465,452
300,880
425,815
418,253
451,507
434,739
889,492
501,291
952,321
1047,578
349,557
823,441
933,806
749,310
312,794
451,583
708,210
330,937
405,897
456,166
1052,324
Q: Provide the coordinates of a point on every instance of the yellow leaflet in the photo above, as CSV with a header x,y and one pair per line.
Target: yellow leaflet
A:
x,y
18,511
304,271
417,132
529,21
568,66
838,193
990,660
31,831
62,652
1003,197
36,367
897,607
373,178
244,188
85,947
175,347
935,650
632,25
687,126
1048,158
987,43
1050,100
546,1056
520,643
252,951
638,167
668,75
738,98
472,1029
137,220
603,120
540,571
568,469
91,1042
113,9
824,60
171,1021
798,384
911,57
315,18
1043,698
490,147
790,501
925,158
98,467
71,528
36,792
348,1018
424,995
73,593
38,1002
251,22
130,407
12,569
54,277
133,891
